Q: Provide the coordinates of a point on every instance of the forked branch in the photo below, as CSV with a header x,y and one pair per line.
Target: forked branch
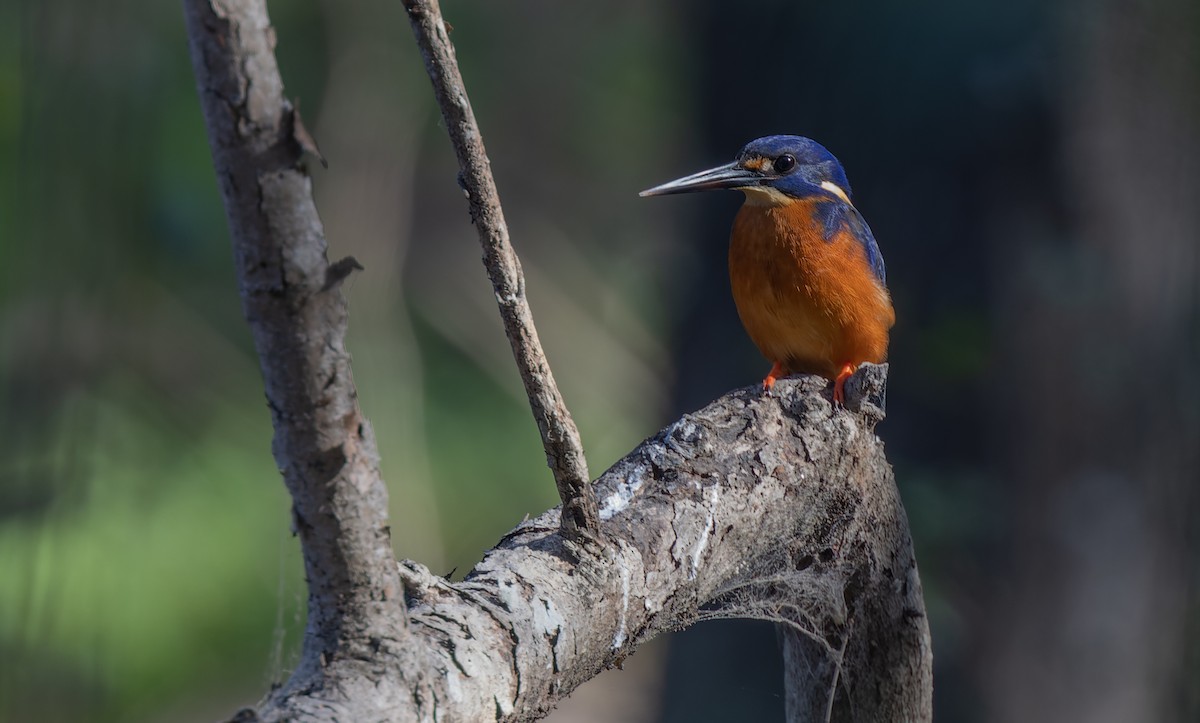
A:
x,y
775,507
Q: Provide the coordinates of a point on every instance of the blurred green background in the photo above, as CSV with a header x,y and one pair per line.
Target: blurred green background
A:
x,y
1030,169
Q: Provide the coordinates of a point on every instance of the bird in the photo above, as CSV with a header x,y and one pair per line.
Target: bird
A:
x,y
807,276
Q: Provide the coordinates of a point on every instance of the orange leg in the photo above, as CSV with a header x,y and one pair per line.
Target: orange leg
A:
x,y
777,372
839,385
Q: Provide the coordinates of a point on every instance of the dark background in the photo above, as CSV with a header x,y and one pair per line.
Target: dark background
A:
x,y
1032,173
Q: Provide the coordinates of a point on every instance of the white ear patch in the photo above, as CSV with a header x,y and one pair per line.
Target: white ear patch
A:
x,y
836,190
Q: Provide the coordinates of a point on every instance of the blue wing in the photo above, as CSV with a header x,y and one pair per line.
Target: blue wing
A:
x,y
836,215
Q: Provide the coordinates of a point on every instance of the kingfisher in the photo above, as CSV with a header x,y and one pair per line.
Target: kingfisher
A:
x,y
808,279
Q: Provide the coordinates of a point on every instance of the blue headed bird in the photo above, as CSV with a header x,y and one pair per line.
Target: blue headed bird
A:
x,y
808,278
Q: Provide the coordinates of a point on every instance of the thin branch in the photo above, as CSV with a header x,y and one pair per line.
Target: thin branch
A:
x,y
560,438
292,301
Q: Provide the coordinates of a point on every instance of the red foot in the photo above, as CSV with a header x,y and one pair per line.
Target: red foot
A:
x,y
777,372
839,385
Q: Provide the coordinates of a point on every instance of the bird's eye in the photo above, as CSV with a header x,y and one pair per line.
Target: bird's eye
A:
x,y
784,163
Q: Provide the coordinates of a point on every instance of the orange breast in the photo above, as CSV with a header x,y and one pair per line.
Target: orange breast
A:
x,y
809,303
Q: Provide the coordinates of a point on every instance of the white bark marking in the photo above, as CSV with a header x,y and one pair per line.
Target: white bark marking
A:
x,y
711,495
619,638
624,492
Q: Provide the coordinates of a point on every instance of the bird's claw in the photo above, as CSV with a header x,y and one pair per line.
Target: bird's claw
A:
x,y
839,386
777,371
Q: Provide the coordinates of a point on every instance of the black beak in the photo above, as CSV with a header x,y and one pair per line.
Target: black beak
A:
x,y
730,175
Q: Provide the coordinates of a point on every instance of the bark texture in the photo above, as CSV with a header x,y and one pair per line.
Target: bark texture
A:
x,y
772,507
775,507
297,314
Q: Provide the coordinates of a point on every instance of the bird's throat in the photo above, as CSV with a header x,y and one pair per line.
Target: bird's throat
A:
x,y
766,196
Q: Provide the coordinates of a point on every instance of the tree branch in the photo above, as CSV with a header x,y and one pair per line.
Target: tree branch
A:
x,y
773,507
560,438
323,444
